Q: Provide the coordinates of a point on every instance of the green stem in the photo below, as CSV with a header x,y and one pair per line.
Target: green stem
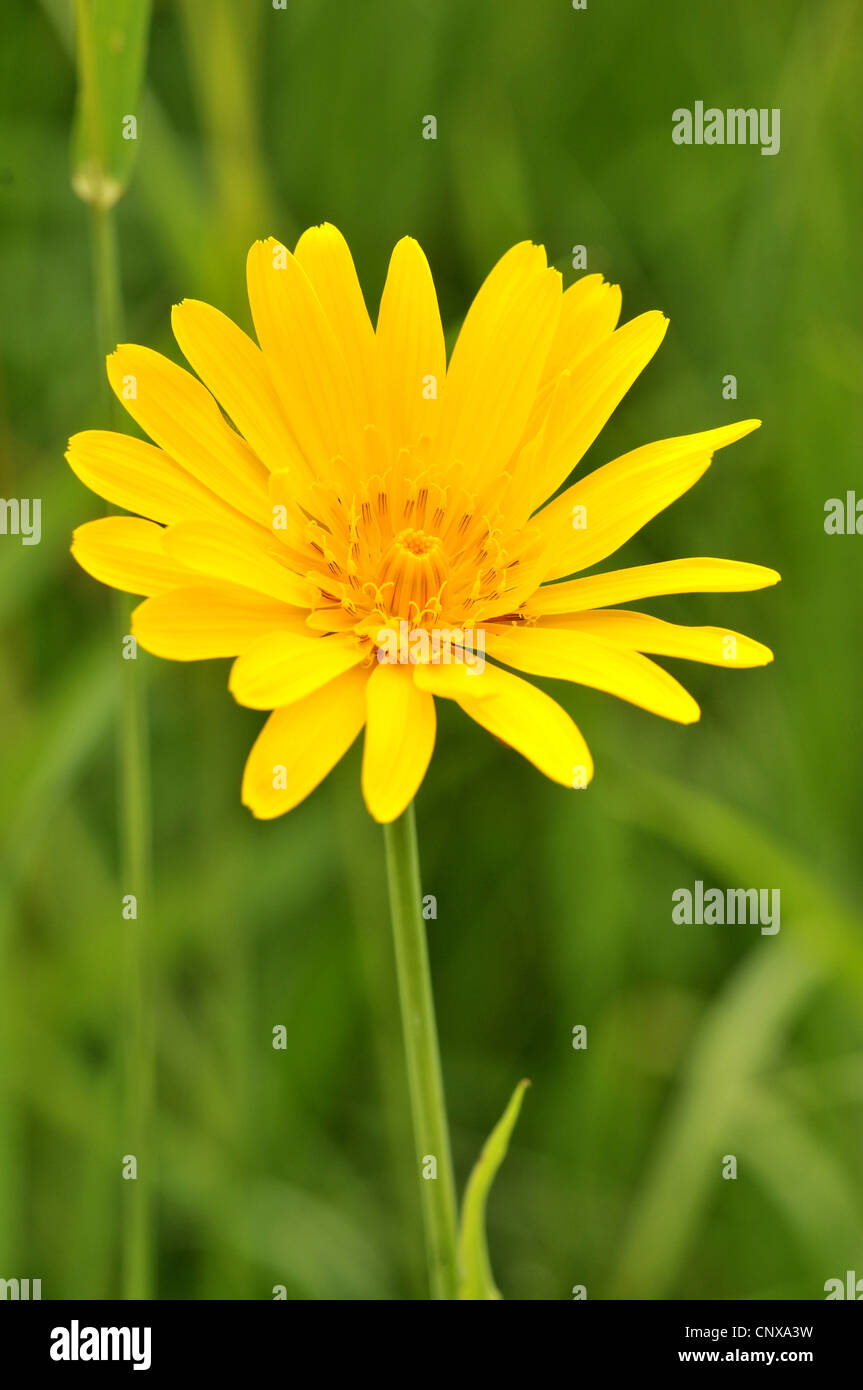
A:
x,y
139,1061
134,811
431,1132
106,269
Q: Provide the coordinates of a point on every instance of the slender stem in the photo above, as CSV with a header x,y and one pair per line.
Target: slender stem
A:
x,y
106,269
139,1062
431,1132
134,812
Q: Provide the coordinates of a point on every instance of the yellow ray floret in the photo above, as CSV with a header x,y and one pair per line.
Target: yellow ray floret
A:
x,y
365,528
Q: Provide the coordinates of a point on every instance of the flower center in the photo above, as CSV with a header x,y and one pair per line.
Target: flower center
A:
x,y
415,565
418,542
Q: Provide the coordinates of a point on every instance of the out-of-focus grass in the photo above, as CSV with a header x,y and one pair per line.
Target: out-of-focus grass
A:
x,y
295,1167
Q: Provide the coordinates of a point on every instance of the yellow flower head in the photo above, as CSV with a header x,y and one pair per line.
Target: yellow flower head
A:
x,y
361,525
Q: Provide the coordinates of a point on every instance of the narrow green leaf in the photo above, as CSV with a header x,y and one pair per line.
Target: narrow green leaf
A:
x,y
477,1281
737,1041
111,51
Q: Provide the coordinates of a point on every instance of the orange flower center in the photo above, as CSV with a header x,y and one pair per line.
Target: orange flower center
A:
x,y
415,565
417,542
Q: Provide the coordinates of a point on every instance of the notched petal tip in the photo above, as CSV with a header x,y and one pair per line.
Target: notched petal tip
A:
x,y
323,233
606,289
649,328
264,244
655,320
409,246
123,349
255,810
532,252
261,811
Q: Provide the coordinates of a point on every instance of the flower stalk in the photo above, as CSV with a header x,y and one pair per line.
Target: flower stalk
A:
x,y
110,57
138,1064
425,1081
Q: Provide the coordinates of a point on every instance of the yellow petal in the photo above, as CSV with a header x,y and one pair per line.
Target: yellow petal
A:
x,y
597,515
133,474
127,553
697,576
180,415
208,620
285,666
573,656
641,632
221,552
305,360
299,745
411,355
589,312
517,713
324,255
595,390
400,735
497,363
522,487
233,368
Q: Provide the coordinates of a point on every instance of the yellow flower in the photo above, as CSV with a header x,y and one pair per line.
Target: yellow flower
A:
x,y
340,484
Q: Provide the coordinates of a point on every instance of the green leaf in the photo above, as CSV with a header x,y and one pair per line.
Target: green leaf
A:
x,y
111,51
477,1281
741,1033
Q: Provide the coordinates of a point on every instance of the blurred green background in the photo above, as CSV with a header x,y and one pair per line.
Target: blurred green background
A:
x,y
296,1167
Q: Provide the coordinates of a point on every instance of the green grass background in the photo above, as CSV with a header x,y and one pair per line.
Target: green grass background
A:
x,y
296,1167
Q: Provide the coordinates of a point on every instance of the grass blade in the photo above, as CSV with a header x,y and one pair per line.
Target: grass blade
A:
x,y
477,1281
